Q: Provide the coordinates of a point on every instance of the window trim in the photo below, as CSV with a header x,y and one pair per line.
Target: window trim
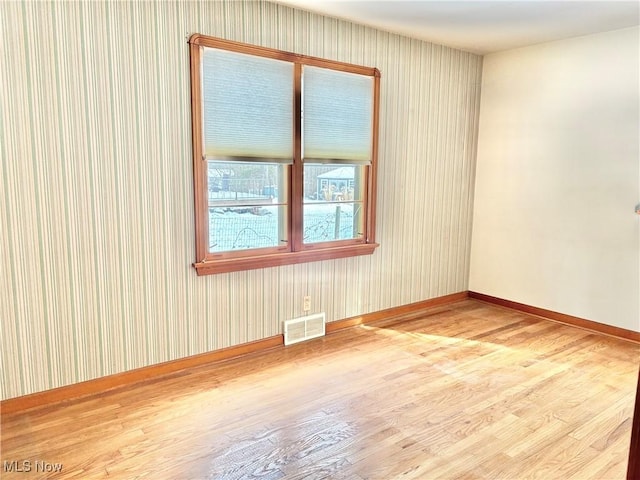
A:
x,y
208,263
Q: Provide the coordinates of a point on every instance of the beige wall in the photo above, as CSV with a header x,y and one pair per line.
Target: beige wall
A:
x,y
558,176
96,192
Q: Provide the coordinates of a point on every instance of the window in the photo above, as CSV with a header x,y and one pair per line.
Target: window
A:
x,y
284,151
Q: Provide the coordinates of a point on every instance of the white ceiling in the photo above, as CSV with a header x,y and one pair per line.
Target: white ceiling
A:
x,y
481,26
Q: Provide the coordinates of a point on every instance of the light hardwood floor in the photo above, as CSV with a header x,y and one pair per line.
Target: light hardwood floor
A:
x,y
467,391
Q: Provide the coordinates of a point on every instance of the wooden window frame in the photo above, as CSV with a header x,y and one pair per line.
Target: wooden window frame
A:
x,y
296,251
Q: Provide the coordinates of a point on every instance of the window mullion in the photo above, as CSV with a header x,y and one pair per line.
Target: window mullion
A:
x,y
297,180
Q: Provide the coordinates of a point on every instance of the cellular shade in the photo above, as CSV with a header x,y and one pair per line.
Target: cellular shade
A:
x,y
337,115
247,106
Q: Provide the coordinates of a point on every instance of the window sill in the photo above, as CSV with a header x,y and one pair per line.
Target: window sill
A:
x,y
211,267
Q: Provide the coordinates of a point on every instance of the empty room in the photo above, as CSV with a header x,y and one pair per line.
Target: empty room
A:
x,y
308,240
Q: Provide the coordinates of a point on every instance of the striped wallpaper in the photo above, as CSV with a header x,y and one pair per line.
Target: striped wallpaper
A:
x,y
96,208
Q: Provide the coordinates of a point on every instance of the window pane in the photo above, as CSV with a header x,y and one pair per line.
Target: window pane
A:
x,y
337,115
326,222
333,182
333,203
248,105
247,205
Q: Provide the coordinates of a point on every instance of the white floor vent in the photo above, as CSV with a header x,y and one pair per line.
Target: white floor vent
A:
x,y
304,328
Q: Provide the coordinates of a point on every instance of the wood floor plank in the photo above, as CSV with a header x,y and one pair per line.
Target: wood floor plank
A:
x,y
462,391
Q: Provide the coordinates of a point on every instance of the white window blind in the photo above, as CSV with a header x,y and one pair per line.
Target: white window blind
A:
x,y
247,106
337,116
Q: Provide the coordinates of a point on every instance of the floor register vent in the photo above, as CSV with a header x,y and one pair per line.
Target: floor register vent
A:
x,y
304,328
